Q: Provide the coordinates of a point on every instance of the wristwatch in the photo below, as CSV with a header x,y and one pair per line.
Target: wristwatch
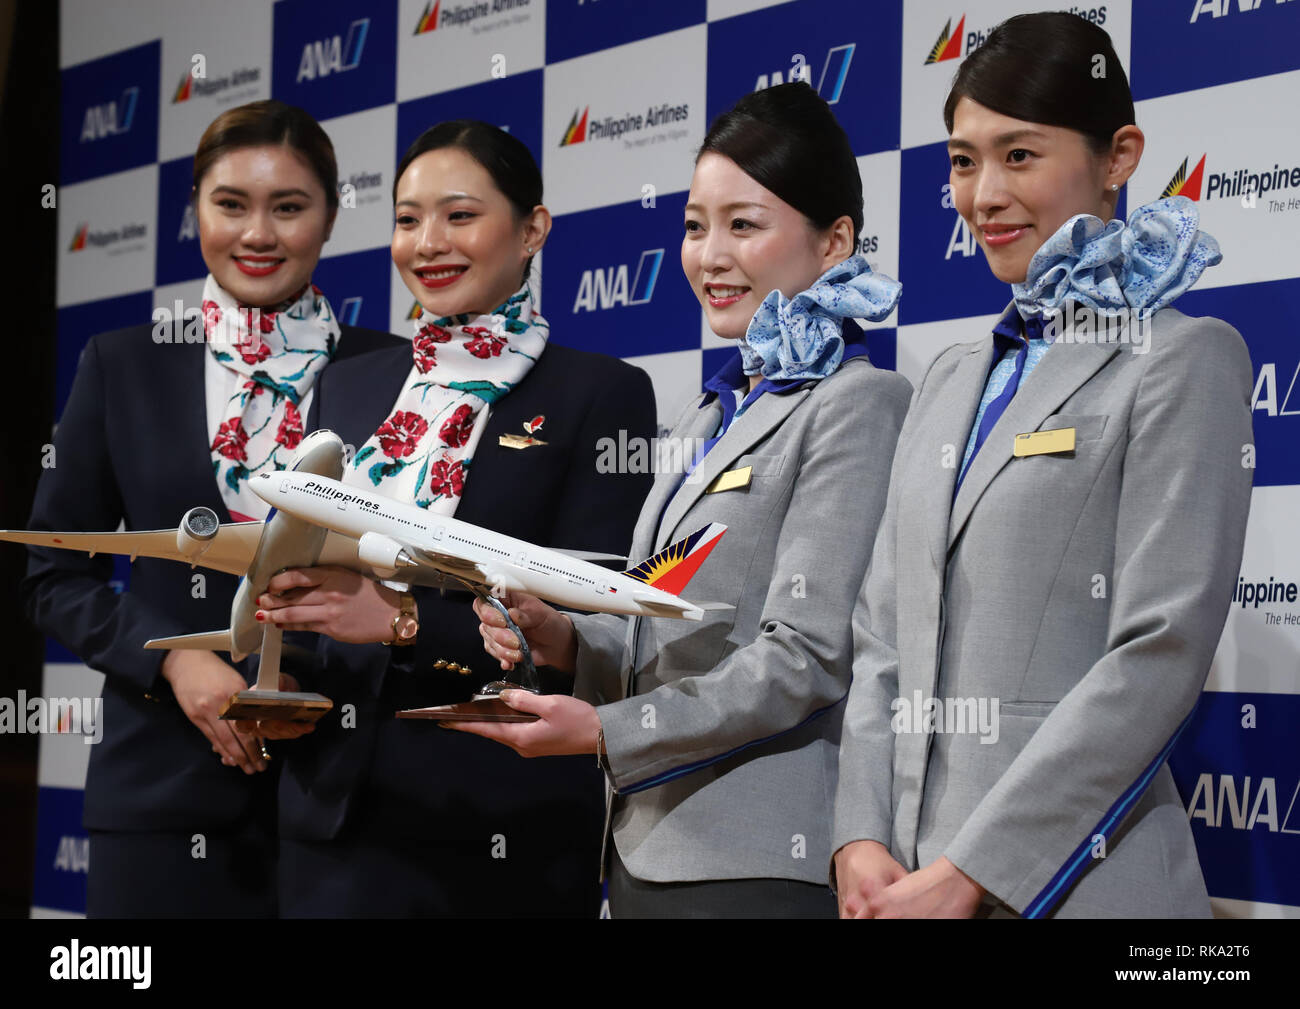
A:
x,y
405,625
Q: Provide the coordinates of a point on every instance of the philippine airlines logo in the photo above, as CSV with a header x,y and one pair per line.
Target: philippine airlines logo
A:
x,y
609,288
111,118
334,54
951,45
202,86
582,128
835,71
130,231
948,47
1183,184
429,19
576,131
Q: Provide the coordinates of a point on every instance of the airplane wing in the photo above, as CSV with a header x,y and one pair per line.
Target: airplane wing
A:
x,y
231,551
459,567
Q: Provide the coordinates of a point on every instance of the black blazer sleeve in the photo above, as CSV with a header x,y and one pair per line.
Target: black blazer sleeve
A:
x,y
66,593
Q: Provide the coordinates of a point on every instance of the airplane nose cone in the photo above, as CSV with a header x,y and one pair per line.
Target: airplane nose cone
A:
x,y
266,484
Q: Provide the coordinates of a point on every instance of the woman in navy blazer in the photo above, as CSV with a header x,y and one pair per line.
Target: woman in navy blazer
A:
x,y
135,445
380,816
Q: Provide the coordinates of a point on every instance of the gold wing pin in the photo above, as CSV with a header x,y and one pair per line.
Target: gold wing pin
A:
x,y
524,440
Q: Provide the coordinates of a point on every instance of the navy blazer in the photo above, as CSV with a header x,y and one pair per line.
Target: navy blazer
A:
x,y
447,784
132,447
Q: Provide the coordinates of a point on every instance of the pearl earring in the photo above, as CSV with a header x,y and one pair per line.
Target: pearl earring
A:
x,y
1114,187
529,249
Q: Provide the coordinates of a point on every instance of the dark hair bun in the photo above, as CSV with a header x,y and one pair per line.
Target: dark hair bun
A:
x,y
787,139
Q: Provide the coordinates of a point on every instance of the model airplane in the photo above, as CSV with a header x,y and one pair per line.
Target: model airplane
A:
x,y
317,520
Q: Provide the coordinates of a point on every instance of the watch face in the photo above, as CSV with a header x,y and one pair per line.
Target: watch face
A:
x,y
407,625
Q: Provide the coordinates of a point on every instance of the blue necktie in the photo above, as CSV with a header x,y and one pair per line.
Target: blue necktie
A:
x,y
1033,330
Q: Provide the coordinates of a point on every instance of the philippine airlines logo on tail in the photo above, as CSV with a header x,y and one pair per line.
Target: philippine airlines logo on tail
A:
x,y
672,567
948,47
576,132
429,19
1183,184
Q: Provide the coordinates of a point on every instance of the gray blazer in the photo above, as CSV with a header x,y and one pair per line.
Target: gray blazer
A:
x,y
721,735
1084,592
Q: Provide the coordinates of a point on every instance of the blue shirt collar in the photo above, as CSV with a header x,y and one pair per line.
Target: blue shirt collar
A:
x,y
1007,332
731,376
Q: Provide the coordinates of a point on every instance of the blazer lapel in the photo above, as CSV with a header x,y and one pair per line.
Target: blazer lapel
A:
x,y
755,424
952,428
1062,370
190,423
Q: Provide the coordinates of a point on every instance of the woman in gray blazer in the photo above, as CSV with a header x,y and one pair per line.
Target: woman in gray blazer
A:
x,y
718,737
1065,524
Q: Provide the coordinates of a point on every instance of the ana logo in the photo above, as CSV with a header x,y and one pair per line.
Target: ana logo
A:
x,y
111,118
948,47
79,238
1221,8
576,131
73,854
1183,184
1265,395
1243,811
189,229
185,88
831,83
429,19
609,288
349,310
962,240
334,54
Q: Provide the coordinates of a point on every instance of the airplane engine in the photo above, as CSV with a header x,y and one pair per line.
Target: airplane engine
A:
x,y
196,532
383,554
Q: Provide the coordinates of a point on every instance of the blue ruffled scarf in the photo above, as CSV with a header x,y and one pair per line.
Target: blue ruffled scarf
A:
x,y
801,338
1110,268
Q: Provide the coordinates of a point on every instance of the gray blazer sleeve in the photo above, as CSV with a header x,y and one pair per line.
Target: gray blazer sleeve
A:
x,y
799,663
863,798
1183,505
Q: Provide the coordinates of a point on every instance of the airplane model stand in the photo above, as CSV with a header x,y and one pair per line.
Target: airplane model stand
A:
x,y
266,700
486,705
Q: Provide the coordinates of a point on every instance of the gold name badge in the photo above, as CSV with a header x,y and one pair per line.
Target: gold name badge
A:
x,y
518,441
731,480
1044,442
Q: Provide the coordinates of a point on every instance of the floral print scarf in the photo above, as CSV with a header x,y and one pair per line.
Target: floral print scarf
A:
x,y
279,352
462,365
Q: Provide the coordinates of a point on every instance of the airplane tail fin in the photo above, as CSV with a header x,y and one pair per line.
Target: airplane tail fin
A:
x,y
673,567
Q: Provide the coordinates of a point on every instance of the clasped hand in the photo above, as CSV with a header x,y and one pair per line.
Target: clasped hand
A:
x,y
871,883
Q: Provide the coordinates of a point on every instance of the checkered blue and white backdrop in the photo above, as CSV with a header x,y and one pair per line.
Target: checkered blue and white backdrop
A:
x,y
613,97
